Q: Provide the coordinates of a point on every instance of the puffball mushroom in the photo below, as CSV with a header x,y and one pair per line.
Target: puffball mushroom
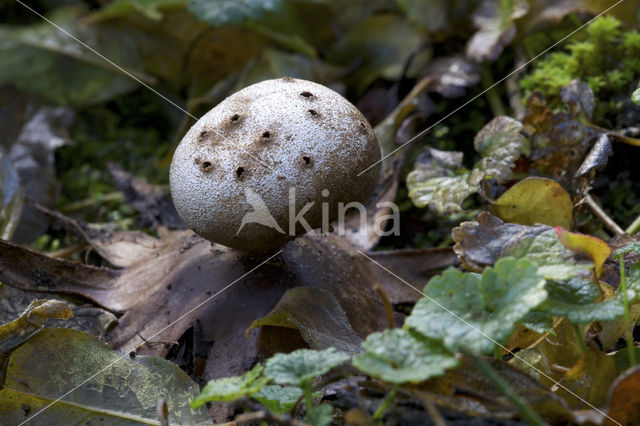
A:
x,y
278,153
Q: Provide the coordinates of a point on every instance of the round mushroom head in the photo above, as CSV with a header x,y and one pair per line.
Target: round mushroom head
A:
x,y
270,159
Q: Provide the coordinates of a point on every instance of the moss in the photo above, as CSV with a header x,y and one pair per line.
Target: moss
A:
x,y
605,55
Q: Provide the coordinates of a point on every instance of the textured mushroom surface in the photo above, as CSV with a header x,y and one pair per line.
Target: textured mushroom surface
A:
x,y
271,144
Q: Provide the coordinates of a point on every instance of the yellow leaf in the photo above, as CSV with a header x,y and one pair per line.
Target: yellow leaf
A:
x,y
588,245
535,200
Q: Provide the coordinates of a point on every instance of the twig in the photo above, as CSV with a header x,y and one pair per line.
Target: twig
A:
x,y
65,252
604,217
387,305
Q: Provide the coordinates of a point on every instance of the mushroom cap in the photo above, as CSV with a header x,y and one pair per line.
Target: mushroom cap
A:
x,y
274,143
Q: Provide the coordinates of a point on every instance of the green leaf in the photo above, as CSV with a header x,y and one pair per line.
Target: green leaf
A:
x,y
399,356
320,415
631,247
279,399
574,298
229,389
57,360
480,309
300,367
540,322
232,12
43,59
500,143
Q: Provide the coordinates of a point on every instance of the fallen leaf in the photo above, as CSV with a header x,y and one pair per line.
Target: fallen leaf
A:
x,y
482,243
56,360
535,200
317,315
623,399
31,320
594,248
35,54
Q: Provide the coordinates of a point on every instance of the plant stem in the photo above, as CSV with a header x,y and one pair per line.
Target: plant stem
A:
x,y
634,227
493,98
385,403
627,315
308,396
580,337
497,352
501,385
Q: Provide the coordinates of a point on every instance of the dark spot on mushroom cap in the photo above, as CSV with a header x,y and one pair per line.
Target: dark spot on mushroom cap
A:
x,y
206,166
239,172
235,117
203,135
306,94
313,112
266,135
306,159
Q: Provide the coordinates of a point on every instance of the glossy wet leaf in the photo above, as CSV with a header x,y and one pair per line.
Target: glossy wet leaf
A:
x,y
441,182
231,388
34,57
480,309
575,298
483,242
279,399
588,245
232,12
56,360
300,367
401,356
535,200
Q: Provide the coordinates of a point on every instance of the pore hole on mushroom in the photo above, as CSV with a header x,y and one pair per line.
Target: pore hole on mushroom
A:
x,y
313,112
306,94
306,159
235,117
239,172
207,166
266,135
